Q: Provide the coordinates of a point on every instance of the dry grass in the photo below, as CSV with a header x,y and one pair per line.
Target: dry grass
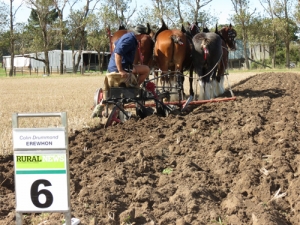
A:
x,y
73,95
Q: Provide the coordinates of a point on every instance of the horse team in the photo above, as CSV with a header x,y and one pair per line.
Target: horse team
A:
x,y
173,51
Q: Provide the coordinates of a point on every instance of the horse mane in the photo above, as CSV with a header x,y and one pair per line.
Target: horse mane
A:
x,y
162,28
219,33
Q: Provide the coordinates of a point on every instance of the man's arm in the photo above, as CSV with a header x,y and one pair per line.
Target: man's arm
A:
x,y
118,59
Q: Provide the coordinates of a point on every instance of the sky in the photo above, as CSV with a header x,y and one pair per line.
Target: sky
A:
x,y
221,8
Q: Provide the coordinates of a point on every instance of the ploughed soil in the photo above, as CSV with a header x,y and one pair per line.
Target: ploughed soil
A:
x,y
234,162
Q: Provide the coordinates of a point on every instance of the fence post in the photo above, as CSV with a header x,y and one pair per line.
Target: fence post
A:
x,y
14,71
57,70
44,69
50,70
81,69
65,69
30,70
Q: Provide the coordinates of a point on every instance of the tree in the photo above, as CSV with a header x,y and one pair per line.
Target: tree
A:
x,y
121,10
269,8
260,32
97,39
176,13
195,7
242,20
4,37
42,23
76,23
286,25
60,5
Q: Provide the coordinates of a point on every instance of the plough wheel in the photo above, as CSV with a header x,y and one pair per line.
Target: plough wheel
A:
x,y
113,117
98,96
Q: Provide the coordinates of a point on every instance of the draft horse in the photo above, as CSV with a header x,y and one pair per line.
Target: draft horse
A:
x,y
212,84
170,57
207,54
144,53
227,35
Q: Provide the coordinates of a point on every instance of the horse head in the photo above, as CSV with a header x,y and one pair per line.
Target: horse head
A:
x,y
229,35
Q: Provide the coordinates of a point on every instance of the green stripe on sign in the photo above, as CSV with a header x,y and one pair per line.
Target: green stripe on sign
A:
x,y
40,165
41,172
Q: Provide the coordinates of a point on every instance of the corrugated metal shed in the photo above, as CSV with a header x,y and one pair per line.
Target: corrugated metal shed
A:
x,y
87,58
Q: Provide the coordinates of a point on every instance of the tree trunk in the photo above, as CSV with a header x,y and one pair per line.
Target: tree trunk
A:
x,y
287,54
100,61
47,64
246,54
274,57
73,61
12,42
61,57
76,65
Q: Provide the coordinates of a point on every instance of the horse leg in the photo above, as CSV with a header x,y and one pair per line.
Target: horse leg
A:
x,y
216,82
220,82
221,85
173,86
191,79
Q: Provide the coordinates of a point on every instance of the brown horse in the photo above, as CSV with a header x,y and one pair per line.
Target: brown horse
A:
x,y
144,51
170,56
227,35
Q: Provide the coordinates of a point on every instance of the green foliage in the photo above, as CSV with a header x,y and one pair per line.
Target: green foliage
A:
x,y
280,56
167,171
294,53
127,220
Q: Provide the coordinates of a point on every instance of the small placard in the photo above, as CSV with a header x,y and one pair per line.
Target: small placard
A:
x,y
41,182
39,139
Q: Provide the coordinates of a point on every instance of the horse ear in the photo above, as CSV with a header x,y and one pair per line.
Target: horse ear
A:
x,y
216,30
164,25
230,26
148,29
183,30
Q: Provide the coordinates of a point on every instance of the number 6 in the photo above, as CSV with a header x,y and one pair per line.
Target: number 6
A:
x,y
34,194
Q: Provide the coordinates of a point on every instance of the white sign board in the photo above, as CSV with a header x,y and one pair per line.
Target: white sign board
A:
x,y
41,181
39,139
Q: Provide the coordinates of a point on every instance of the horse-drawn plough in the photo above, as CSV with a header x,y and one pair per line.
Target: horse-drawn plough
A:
x,y
171,51
120,98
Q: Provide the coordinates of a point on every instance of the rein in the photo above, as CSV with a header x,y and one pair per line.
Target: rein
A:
x,y
200,77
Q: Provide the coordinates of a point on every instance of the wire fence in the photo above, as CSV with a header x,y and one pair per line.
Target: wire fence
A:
x,y
53,70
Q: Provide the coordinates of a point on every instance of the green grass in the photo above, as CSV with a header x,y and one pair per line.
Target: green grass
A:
x,y
19,74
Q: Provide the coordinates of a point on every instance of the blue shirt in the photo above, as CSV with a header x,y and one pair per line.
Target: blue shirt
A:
x,y
126,47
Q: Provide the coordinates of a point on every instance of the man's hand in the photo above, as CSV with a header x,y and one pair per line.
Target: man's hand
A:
x,y
123,73
118,59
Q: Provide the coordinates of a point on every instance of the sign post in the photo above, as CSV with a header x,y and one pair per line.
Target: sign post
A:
x,y
41,162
